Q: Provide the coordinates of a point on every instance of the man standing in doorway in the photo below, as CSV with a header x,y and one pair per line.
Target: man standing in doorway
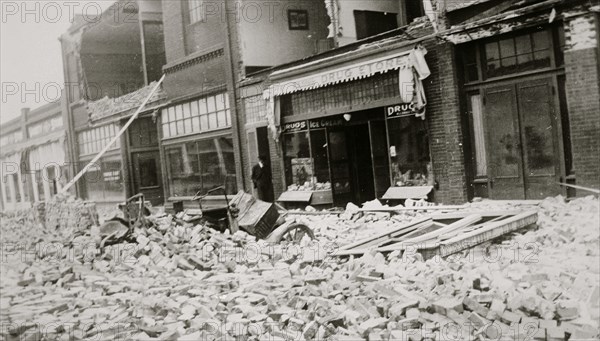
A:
x,y
261,178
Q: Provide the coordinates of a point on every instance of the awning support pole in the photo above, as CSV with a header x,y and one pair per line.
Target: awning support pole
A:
x,y
115,139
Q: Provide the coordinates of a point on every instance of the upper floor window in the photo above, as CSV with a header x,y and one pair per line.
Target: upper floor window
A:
x,y
195,11
206,114
45,126
10,138
254,109
93,140
297,20
511,54
413,9
521,53
370,23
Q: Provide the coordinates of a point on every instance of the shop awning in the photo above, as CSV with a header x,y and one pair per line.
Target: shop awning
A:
x,y
363,69
410,64
407,192
295,196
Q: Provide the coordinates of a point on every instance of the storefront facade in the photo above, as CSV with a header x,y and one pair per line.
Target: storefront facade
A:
x,y
524,120
104,181
32,155
197,147
358,155
355,130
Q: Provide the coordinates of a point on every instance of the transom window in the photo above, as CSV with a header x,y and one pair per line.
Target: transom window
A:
x,y
511,54
93,140
517,54
205,114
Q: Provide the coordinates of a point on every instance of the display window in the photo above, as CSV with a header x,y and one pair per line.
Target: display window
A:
x,y
104,180
298,161
409,151
200,166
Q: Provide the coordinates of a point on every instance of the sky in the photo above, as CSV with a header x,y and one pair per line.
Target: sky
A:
x,y
31,71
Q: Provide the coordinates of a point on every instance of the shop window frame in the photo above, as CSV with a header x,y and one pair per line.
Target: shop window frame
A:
x,y
173,143
195,116
91,141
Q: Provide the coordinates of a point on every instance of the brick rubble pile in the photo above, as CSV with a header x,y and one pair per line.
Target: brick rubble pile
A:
x,y
187,282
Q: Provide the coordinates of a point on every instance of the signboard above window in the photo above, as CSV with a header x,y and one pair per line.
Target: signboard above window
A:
x,y
400,110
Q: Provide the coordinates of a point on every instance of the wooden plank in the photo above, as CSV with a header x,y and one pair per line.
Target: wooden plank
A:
x,y
483,214
532,202
352,252
407,192
432,235
389,234
415,208
378,242
488,232
453,234
588,189
420,232
313,213
467,221
295,196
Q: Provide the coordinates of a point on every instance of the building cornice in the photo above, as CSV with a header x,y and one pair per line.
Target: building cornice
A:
x,y
194,59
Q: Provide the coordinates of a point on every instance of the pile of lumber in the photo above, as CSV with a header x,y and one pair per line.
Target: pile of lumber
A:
x,y
444,234
188,282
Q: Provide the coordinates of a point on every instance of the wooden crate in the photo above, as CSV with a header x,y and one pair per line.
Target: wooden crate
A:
x,y
256,217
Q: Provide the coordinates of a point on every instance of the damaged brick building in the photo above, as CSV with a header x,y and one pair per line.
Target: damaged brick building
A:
x,y
350,101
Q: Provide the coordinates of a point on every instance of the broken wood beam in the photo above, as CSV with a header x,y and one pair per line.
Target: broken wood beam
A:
x,y
486,233
382,237
414,208
587,189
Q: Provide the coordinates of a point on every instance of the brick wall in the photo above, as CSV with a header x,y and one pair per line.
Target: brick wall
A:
x,y
583,97
205,75
276,154
445,131
173,30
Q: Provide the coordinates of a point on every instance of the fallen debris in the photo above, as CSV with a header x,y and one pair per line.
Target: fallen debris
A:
x,y
181,281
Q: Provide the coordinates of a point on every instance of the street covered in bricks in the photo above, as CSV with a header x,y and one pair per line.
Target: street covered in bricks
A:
x,y
188,282
300,170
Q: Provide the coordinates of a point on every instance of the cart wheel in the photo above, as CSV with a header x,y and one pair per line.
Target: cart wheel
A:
x,y
292,233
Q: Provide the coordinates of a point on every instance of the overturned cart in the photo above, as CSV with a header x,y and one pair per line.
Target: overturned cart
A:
x,y
261,219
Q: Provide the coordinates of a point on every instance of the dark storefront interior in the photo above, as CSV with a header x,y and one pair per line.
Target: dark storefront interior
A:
x,y
356,156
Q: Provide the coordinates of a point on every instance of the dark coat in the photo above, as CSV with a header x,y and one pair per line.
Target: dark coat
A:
x,y
261,178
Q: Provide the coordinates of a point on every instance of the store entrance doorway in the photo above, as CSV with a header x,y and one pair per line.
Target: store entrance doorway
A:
x,y
351,164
